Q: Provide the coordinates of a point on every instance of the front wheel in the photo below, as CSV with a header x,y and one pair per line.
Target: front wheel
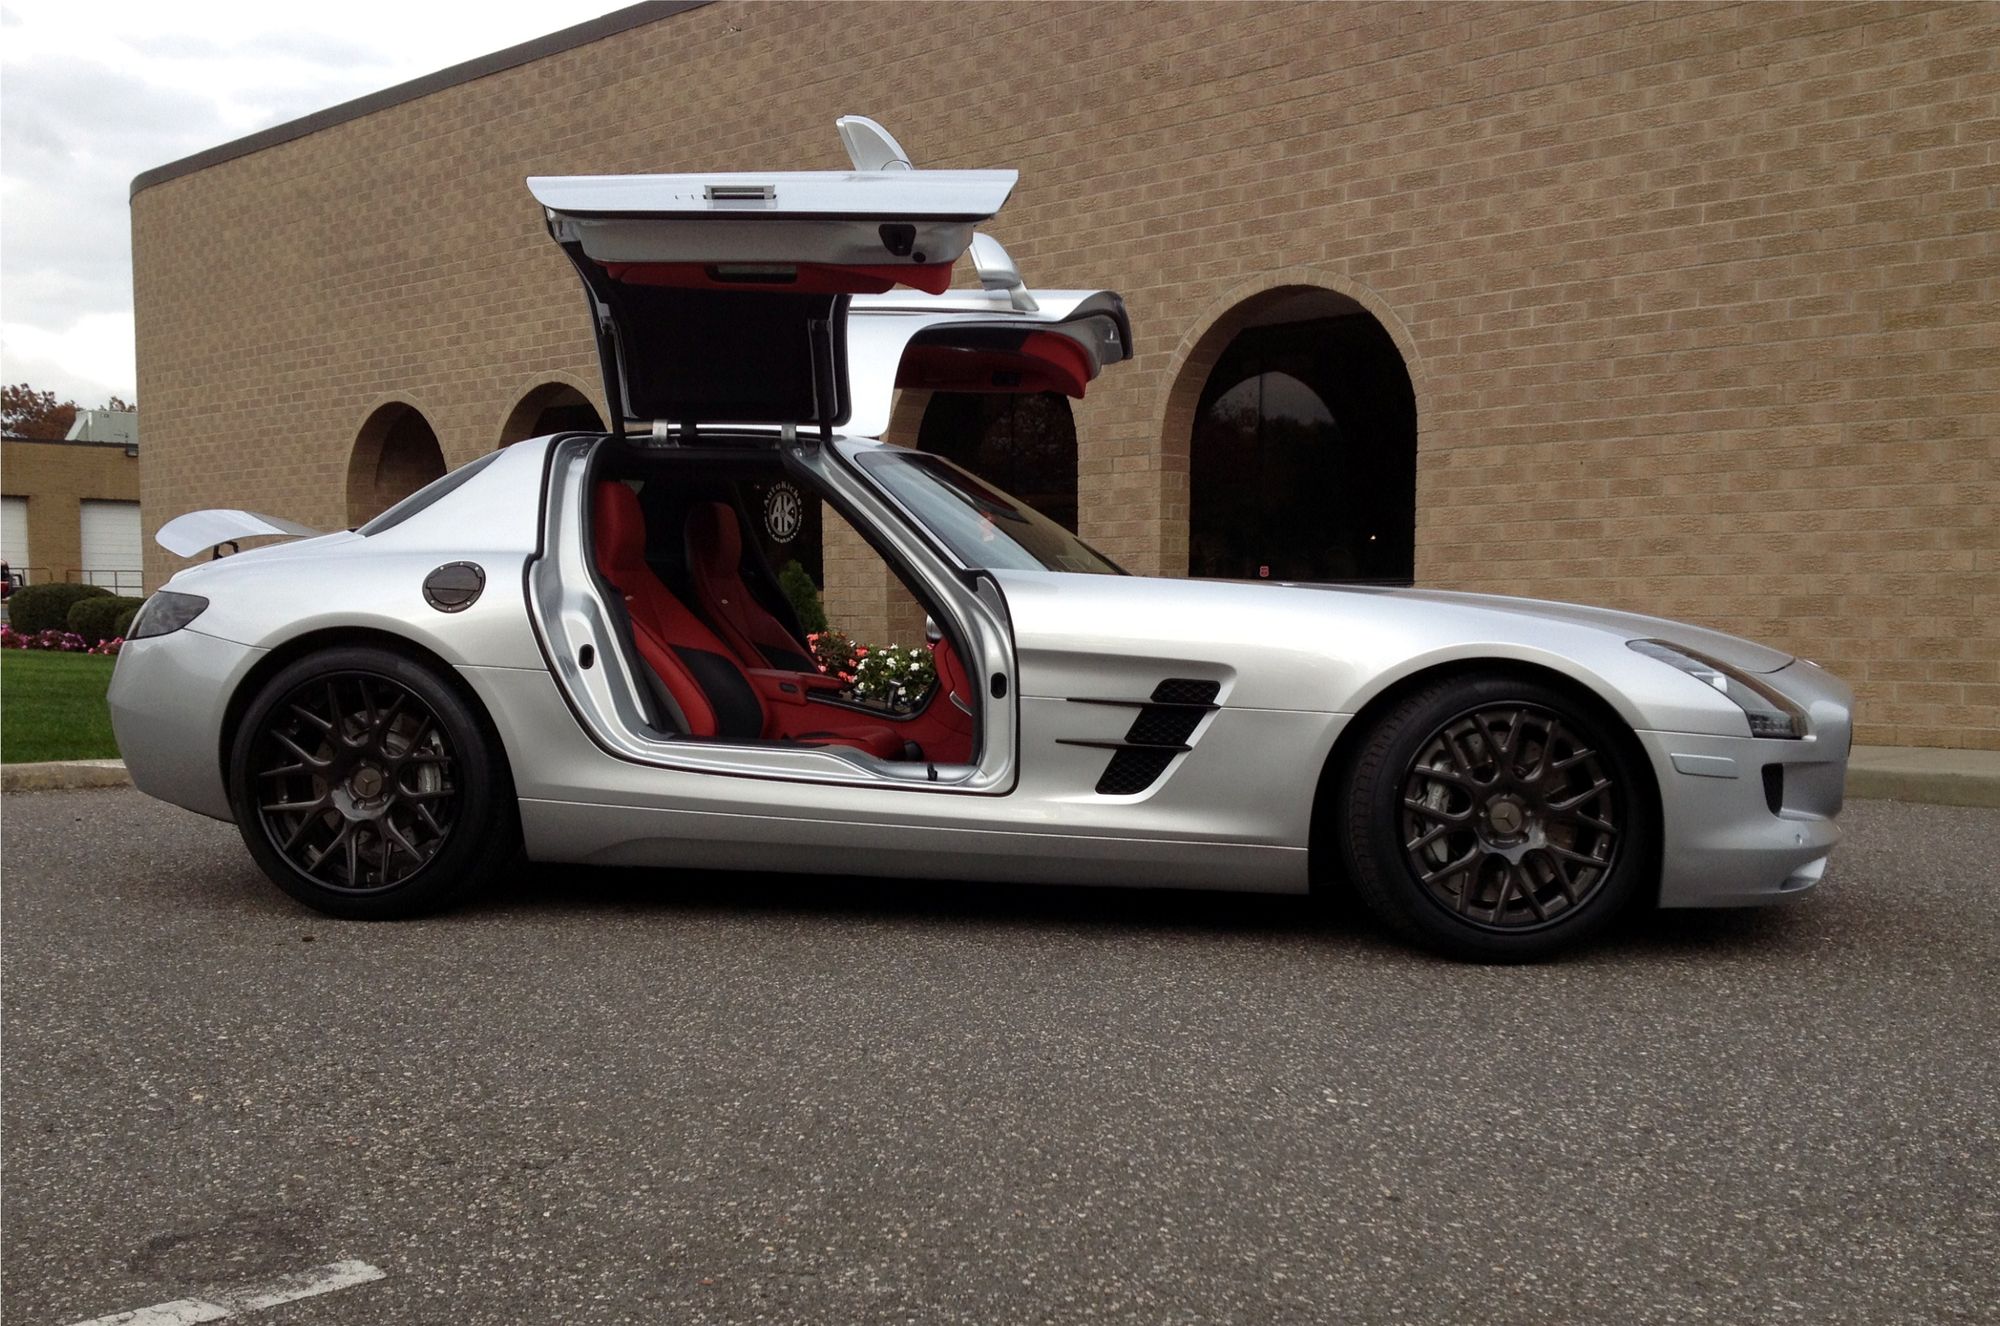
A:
x,y
1496,819
367,788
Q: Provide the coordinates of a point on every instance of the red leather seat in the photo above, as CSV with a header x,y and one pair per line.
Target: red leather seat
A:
x,y
714,696
715,565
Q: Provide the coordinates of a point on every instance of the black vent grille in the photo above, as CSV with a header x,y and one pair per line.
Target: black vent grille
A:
x,y
1774,787
1186,690
1164,727
1132,771
1160,732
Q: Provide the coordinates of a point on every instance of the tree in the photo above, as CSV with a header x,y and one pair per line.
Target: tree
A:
x,y
31,413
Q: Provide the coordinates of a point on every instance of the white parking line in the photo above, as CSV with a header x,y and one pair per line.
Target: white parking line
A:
x,y
248,1298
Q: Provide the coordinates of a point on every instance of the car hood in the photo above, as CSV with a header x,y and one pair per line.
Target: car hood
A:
x,y
1733,650
1329,648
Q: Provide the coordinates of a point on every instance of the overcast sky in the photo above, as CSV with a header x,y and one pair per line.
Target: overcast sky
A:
x,y
92,92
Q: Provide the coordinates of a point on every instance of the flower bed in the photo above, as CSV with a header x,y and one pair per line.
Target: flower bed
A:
x,y
55,642
894,677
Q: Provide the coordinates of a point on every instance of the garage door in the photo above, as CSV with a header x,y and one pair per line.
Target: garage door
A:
x,y
14,532
111,555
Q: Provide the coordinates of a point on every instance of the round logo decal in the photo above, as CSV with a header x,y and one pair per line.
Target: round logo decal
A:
x,y
784,512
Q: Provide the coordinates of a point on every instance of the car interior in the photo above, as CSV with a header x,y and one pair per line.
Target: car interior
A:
x,y
716,643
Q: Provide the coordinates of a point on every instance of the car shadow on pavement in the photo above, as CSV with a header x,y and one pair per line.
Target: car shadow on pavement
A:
x,y
595,888
540,890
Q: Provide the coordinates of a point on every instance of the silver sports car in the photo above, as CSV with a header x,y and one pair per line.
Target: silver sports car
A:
x,y
572,649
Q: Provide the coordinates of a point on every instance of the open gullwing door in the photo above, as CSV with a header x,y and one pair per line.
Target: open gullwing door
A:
x,y
722,297
1002,338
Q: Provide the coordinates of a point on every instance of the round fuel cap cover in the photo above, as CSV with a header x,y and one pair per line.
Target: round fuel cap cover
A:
x,y
455,586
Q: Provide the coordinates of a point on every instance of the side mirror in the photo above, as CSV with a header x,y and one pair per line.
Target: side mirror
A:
x,y
931,631
997,272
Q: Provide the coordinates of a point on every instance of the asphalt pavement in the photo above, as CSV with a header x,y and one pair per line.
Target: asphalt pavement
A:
x,y
611,1096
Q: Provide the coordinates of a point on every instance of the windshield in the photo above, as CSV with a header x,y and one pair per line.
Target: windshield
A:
x,y
983,527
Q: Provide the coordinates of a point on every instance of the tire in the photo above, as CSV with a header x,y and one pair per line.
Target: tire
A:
x,y
1496,819
367,787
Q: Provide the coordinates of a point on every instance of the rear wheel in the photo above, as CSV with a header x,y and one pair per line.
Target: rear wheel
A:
x,y
367,788
1496,819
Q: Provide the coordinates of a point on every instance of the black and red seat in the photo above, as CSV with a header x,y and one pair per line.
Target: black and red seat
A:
x,y
943,727
714,695
715,569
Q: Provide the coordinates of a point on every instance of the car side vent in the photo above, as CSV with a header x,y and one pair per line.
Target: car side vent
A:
x,y
1186,690
1132,771
1165,727
1162,729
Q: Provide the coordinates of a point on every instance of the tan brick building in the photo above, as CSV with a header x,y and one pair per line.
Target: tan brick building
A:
x,y
1697,307
70,510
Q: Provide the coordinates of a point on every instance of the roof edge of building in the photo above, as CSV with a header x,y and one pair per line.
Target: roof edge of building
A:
x,y
582,34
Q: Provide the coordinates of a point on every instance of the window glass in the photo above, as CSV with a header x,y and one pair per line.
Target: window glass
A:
x,y
1023,442
983,527
426,495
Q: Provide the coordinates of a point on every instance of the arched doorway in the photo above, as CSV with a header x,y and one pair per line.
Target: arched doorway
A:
x,y
1023,443
553,407
395,454
1302,459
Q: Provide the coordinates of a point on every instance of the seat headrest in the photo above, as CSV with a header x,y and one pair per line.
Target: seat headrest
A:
x,y
713,535
618,529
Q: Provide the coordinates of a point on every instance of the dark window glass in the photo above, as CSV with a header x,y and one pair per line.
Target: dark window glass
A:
x,y
983,527
1024,443
1304,459
785,522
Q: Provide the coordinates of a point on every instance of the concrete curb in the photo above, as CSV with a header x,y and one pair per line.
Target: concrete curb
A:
x,y
1921,773
63,776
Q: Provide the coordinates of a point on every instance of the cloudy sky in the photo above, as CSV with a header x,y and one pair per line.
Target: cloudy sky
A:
x,y
92,92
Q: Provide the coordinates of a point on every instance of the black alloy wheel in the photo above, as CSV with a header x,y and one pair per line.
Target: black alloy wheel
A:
x,y
1496,819
367,788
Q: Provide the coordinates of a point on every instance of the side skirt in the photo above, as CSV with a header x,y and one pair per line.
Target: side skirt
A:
x,y
587,834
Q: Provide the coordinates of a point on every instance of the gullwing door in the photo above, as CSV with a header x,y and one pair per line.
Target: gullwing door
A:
x,y
722,298
1001,338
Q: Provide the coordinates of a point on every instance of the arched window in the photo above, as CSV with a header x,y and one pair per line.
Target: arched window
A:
x,y
553,407
395,454
1022,443
1303,462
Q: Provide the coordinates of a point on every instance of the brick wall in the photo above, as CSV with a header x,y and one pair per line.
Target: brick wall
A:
x,y
1699,301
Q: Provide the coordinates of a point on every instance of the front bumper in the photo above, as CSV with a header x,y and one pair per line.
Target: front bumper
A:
x,y
1748,821
168,696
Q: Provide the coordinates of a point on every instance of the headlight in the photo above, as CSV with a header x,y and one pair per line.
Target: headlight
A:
x,y
1770,713
164,613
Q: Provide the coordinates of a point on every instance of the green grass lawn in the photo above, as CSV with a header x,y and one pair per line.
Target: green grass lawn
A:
x,y
52,707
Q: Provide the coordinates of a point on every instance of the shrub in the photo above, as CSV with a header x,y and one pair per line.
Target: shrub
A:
x,y
33,609
835,653
895,675
96,618
804,596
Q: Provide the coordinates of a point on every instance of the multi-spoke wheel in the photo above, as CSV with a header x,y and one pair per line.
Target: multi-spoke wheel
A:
x,y
1495,818
366,787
